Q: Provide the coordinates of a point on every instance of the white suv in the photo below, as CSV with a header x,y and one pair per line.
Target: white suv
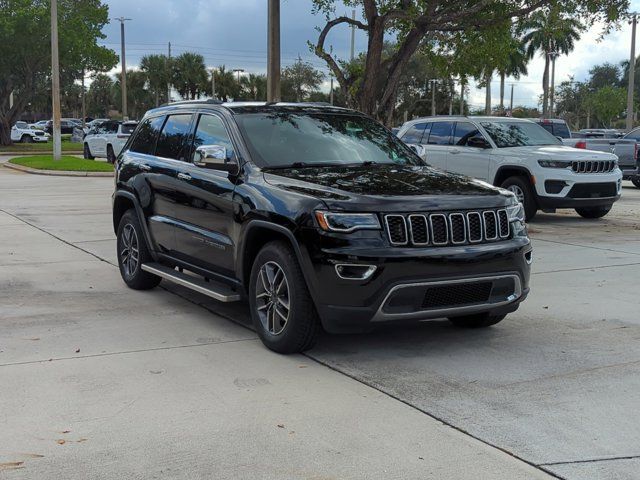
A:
x,y
520,156
24,133
106,139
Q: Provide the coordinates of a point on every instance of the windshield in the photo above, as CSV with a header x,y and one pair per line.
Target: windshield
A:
x,y
518,134
286,139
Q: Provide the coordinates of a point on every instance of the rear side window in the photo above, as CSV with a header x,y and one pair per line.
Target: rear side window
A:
x,y
172,142
561,130
211,131
547,126
464,132
128,128
146,136
441,133
111,127
633,135
416,133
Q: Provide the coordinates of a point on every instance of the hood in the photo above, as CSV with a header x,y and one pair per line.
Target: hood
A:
x,y
558,152
396,187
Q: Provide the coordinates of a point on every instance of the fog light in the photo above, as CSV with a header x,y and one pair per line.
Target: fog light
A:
x,y
354,271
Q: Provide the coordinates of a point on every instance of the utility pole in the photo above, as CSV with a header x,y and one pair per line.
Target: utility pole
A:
x,y
553,55
213,83
433,97
353,36
632,72
123,61
169,75
55,82
511,103
462,96
84,107
273,52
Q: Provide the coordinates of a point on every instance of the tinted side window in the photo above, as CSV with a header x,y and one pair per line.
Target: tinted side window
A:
x,y
440,133
465,131
547,126
172,142
111,127
561,130
146,136
633,135
211,131
415,133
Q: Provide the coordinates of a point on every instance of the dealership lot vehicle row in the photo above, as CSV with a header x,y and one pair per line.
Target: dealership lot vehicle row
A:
x,y
538,386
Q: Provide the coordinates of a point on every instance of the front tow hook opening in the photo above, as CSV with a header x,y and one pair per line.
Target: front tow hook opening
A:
x,y
529,257
349,271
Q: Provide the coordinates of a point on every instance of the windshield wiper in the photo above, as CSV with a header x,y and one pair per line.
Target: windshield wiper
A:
x,y
304,165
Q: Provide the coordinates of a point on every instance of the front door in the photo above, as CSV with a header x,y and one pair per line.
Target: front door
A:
x,y
466,160
205,208
437,144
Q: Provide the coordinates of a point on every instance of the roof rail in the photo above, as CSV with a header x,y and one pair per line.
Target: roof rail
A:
x,y
209,101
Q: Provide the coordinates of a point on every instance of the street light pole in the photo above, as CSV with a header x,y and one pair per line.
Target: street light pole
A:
x,y
55,82
169,75
433,97
353,36
511,103
123,61
273,52
632,72
213,83
238,71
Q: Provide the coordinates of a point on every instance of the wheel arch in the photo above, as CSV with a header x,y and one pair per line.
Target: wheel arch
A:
x,y
124,201
507,171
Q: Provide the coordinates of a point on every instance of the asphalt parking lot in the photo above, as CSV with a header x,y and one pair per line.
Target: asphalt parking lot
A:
x,y
98,381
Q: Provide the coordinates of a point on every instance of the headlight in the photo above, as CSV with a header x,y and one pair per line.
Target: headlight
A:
x,y
515,211
554,163
347,222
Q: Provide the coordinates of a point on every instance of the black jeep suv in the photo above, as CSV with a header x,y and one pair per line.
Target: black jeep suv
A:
x,y
319,215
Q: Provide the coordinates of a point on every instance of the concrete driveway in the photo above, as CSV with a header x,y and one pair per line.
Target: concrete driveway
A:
x,y
98,381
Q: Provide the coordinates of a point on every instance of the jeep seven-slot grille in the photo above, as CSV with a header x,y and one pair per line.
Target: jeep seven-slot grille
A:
x,y
587,166
440,229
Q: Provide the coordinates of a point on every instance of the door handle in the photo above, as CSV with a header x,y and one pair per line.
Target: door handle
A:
x,y
184,176
455,151
145,167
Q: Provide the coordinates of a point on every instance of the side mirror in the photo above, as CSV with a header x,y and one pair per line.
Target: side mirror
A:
x,y
478,142
215,158
559,138
419,149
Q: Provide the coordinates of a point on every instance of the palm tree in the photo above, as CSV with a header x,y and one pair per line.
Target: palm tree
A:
x,y
551,33
514,66
226,84
190,76
256,86
158,73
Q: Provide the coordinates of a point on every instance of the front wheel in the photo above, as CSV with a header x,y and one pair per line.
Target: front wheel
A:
x,y
593,212
26,139
133,252
521,188
481,320
87,152
636,181
282,310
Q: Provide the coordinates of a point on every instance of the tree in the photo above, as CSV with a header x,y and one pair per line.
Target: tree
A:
x,y
100,96
300,80
605,75
139,99
552,33
227,87
254,87
190,76
25,49
608,103
157,70
414,21
514,65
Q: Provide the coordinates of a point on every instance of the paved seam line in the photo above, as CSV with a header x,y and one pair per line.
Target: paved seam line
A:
x,y
461,430
592,460
584,246
586,268
435,417
125,352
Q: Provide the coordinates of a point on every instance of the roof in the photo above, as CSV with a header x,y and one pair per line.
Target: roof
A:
x,y
453,118
254,107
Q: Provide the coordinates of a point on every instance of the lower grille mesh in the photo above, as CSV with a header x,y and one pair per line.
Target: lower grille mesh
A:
x,y
455,295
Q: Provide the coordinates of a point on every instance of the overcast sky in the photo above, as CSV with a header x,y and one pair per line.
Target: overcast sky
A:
x,y
234,32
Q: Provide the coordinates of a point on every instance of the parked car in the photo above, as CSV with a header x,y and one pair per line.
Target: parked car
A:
x,y
66,127
89,125
629,171
555,126
106,139
39,125
318,215
521,156
22,132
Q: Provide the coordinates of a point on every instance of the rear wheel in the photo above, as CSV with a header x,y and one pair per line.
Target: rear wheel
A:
x,y
111,157
636,182
133,252
282,310
522,189
87,153
26,139
481,320
593,212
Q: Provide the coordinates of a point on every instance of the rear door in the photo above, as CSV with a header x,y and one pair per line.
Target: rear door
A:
x,y
471,161
205,207
437,143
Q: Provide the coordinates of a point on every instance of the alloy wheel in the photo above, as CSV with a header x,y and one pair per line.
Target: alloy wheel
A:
x,y
130,253
272,298
517,191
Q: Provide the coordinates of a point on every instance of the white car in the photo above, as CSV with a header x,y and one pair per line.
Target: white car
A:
x,y
106,139
41,125
522,157
23,133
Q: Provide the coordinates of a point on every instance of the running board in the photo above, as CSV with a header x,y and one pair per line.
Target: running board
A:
x,y
212,289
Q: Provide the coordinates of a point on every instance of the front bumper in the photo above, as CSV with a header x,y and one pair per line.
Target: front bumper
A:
x,y
406,277
630,173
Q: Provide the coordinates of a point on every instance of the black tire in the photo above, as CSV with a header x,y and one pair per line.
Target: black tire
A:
x,y
111,157
522,184
133,275
26,139
300,330
636,181
481,320
593,212
87,153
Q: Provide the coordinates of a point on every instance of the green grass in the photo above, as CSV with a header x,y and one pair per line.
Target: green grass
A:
x,y
66,163
41,147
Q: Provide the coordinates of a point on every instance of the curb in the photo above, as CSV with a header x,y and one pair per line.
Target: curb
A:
x,y
56,173
37,152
